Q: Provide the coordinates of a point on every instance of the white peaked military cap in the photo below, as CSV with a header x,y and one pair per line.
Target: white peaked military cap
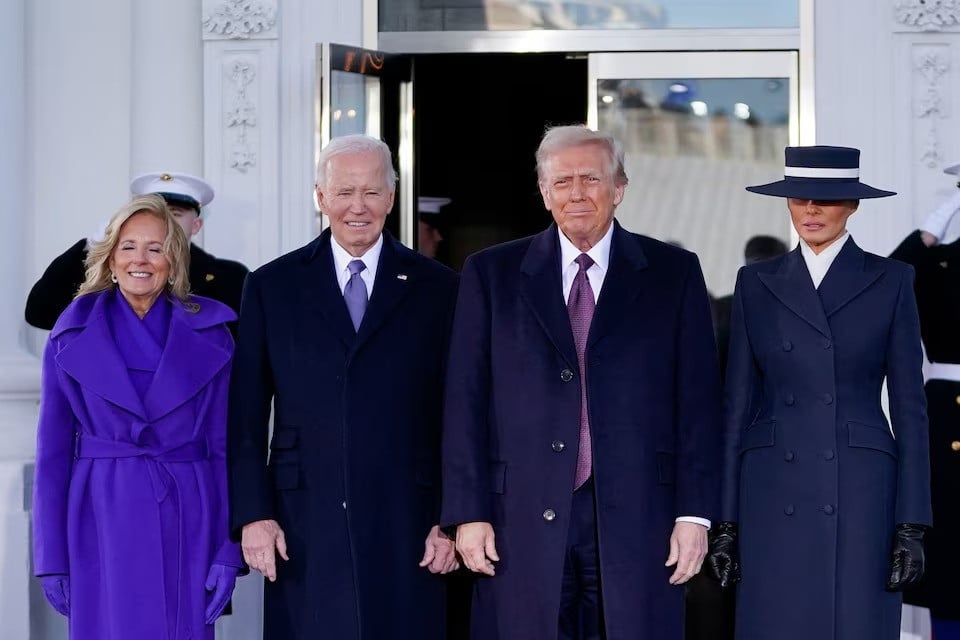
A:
x,y
176,188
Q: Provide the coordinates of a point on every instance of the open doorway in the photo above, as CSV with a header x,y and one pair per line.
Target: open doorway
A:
x,y
478,121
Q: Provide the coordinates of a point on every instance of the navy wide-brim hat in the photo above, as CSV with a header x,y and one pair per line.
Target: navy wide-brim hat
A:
x,y
821,173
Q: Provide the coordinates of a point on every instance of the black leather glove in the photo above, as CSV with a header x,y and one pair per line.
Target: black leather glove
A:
x,y
906,559
723,556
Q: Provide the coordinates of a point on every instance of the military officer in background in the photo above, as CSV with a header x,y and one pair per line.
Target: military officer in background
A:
x,y
937,267
210,277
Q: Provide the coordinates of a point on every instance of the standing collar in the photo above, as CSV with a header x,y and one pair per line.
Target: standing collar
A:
x,y
600,252
341,258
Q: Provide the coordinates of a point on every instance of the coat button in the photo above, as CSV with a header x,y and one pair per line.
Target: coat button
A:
x,y
558,445
958,399
344,504
829,454
827,344
827,398
828,509
788,509
955,445
787,345
566,375
549,515
789,456
789,400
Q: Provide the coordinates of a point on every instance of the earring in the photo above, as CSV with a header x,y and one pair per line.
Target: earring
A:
x,y
170,281
113,277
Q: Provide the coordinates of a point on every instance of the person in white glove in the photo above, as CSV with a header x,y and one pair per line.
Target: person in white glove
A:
x,y
937,268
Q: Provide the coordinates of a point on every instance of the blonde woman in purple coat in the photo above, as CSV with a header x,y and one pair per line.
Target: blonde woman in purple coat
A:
x,y
130,510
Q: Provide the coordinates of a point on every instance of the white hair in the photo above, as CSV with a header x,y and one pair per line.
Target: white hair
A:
x,y
563,137
356,143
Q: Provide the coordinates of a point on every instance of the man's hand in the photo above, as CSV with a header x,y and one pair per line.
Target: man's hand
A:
x,y
688,546
258,541
475,545
439,556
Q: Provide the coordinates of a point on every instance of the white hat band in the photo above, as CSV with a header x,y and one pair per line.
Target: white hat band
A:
x,y
817,172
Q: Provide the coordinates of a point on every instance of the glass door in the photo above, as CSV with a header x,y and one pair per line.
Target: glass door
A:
x,y
698,127
366,91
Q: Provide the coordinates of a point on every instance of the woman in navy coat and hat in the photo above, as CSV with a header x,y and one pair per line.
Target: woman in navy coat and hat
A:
x,y
130,506
825,502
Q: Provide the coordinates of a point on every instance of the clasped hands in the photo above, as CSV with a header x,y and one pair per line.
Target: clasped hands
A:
x,y
906,557
263,539
476,544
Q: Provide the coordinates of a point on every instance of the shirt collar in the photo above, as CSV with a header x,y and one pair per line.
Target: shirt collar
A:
x,y
600,252
827,255
341,258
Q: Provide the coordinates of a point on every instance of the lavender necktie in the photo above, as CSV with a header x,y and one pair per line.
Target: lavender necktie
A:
x,y
580,306
355,293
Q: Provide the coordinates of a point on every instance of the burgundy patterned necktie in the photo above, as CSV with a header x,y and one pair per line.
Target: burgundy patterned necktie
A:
x,y
580,306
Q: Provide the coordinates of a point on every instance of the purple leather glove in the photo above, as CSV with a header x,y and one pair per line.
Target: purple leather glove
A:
x,y
56,588
220,579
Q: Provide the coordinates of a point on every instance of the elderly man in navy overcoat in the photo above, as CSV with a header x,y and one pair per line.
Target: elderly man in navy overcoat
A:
x,y
826,504
346,338
581,426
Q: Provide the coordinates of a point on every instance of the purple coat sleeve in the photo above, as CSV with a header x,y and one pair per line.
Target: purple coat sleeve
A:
x,y
55,448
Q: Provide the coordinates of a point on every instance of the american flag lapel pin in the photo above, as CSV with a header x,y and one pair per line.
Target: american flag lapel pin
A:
x,y
401,276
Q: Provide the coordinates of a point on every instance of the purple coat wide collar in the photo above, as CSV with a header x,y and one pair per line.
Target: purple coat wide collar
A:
x,y
193,354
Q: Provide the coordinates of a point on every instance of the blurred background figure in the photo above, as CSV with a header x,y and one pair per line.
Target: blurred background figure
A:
x,y
430,224
130,505
758,248
937,267
185,196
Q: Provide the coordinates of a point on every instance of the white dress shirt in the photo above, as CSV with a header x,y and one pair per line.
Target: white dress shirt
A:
x,y
600,253
341,260
819,264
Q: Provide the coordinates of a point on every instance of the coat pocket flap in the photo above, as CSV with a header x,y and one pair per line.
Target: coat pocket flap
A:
x,y
759,434
870,437
285,438
498,477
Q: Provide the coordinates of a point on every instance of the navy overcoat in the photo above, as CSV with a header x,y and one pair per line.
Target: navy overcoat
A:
x,y
512,418
812,472
354,470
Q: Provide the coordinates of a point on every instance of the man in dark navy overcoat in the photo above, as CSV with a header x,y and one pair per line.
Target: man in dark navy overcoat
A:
x,y
581,425
346,338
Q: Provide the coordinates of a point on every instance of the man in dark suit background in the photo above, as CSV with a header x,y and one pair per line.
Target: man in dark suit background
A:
x,y
346,338
581,424
210,277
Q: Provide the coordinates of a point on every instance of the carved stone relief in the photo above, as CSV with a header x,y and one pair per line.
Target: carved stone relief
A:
x,y
240,19
928,15
241,117
930,105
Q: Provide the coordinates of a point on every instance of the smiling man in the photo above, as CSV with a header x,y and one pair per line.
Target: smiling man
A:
x,y
346,338
581,425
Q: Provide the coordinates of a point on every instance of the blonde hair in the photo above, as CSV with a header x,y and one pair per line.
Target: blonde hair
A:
x,y
176,248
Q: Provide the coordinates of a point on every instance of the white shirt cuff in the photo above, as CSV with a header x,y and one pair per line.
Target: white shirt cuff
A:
x,y
701,521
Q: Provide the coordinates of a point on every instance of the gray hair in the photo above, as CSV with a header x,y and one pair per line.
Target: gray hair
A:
x,y
356,143
563,137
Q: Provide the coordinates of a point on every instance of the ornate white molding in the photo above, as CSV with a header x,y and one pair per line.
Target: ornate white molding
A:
x,y
241,117
928,15
929,101
240,20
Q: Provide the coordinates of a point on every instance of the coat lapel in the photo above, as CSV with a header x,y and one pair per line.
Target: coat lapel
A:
x,y
189,361
396,275
321,295
542,290
792,285
847,278
619,285
92,359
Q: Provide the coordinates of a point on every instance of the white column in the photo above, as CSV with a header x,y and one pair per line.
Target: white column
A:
x,y
166,128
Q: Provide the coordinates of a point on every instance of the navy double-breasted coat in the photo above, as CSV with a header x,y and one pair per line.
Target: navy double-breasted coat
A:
x,y
353,477
511,428
812,472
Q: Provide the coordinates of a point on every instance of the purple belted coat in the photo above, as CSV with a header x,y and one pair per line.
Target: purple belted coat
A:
x,y
129,495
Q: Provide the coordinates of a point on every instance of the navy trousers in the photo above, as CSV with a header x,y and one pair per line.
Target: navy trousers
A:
x,y
581,604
